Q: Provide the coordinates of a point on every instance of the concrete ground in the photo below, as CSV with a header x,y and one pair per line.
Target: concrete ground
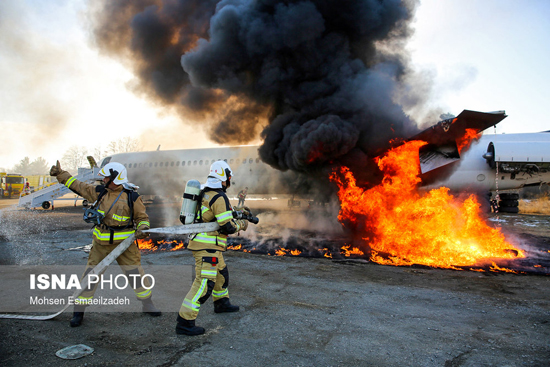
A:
x,y
295,311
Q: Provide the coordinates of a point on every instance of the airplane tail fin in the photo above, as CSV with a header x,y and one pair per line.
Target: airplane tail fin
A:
x,y
92,161
442,148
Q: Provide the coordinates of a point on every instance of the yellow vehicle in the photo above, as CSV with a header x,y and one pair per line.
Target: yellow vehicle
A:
x,y
11,184
37,182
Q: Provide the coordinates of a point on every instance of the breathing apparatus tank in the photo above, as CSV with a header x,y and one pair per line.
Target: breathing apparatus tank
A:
x,y
190,202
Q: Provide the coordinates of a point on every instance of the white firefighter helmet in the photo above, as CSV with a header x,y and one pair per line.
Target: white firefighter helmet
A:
x,y
221,171
115,171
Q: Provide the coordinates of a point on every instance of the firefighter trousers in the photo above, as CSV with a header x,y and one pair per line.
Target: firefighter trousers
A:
x,y
130,263
211,278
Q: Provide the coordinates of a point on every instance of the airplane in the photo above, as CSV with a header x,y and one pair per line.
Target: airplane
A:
x,y
519,159
165,172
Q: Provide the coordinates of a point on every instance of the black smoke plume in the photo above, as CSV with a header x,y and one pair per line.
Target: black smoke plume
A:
x,y
317,79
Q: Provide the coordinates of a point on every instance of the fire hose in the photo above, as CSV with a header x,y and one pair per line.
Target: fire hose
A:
x,y
123,246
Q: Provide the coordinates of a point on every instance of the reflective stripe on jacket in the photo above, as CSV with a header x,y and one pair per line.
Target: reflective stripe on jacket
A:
x,y
118,217
219,210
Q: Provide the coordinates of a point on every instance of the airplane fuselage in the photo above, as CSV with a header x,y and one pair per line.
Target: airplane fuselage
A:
x,y
474,173
166,172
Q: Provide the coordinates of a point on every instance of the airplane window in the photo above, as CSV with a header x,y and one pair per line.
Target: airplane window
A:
x,y
244,161
177,163
172,164
140,165
257,160
225,160
200,162
166,164
182,163
161,164
135,165
251,160
194,163
156,164
231,161
150,164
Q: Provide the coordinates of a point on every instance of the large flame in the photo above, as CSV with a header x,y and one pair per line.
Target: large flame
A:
x,y
466,140
402,226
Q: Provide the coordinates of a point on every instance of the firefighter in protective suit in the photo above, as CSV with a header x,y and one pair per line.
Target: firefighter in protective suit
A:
x,y
121,208
211,274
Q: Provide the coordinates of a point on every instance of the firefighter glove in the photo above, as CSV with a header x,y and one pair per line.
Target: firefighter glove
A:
x,y
244,209
243,224
140,234
55,170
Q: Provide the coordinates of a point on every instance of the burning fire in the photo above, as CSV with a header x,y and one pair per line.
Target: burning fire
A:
x,y
345,251
150,245
464,142
403,227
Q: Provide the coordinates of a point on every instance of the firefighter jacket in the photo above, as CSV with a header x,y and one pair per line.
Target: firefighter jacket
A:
x,y
216,207
116,226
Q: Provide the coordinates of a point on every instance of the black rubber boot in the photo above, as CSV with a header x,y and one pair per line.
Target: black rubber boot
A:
x,y
77,319
148,307
187,327
78,315
223,305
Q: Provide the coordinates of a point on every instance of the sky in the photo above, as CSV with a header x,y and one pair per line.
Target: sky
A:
x,y
58,91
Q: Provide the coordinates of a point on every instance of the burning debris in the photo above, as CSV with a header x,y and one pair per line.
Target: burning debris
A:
x,y
149,245
301,243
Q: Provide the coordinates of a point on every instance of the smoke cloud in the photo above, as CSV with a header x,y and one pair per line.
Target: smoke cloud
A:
x,y
29,65
318,80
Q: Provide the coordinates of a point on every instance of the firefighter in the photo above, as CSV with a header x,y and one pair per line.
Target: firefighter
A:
x,y
120,207
242,195
211,273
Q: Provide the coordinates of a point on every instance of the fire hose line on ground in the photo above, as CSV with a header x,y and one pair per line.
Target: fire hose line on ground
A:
x,y
99,268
